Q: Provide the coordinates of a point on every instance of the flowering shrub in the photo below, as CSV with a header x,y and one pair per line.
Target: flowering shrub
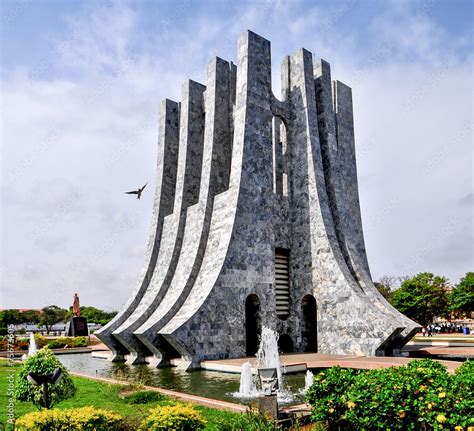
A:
x,y
321,395
461,397
59,343
43,362
84,418
419,396
178,417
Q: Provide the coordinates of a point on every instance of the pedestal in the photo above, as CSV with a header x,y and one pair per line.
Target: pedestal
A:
x,y
268,405
77,327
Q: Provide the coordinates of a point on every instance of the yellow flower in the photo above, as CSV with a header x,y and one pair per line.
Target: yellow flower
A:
x,y
422,388
331,410
442,394
430,405
441,418
470,428
350,404
458,428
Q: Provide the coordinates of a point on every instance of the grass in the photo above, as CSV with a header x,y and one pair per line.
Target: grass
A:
x,y
104,395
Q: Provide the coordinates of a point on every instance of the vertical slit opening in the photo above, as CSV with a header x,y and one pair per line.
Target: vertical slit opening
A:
x,y
280,145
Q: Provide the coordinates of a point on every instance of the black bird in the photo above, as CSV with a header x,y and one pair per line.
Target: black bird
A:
x,y
136,192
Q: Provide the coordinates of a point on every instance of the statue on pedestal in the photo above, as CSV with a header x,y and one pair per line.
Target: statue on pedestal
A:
x,y
77,325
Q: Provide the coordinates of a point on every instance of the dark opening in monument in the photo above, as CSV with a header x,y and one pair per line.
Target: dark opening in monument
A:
x,y
253,325
309,325
285,344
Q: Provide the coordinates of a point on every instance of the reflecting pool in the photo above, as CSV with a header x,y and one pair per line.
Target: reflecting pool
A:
x,y
210,384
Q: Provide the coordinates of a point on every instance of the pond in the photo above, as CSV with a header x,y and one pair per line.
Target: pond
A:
x,y
210,384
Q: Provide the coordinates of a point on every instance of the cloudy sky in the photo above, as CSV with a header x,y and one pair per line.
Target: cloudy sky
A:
x,y
81,84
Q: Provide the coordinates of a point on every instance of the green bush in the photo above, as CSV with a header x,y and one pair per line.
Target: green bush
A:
x,y
143,397
322,394
177,417
41,341
461,393
84,418
80,342
418,396
61,342
43,362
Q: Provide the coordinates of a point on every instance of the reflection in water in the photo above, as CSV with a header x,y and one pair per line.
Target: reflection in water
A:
x,y
209,384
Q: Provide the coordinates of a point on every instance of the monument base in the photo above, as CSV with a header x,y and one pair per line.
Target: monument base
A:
x,y
77,327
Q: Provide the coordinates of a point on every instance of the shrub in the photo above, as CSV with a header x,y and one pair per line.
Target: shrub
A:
x,y
420,395
61,342
80,341
143,397
43,362
461,392
41,341
84,418
178,417
327,395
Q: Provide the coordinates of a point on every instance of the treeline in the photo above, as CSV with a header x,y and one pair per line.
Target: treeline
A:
x,y
51,315
426,296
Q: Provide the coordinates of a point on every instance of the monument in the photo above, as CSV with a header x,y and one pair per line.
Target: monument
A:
x,y
256,221
77,325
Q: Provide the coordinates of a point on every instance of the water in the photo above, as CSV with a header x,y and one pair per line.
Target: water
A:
x,y
308,380
32,346
267,354
247,388
268,357
210,384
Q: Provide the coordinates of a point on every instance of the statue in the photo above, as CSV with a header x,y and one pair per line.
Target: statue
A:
x,y
77,325
75,306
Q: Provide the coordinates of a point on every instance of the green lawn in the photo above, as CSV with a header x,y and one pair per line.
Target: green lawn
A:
x,y
98,394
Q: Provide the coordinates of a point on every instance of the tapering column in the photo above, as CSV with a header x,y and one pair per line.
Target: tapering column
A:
x,y
166,172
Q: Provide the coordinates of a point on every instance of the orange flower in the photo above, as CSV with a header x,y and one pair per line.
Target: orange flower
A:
x,y
331,410
401,413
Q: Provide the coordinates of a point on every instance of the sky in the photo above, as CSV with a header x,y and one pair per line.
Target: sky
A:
x,y
81,84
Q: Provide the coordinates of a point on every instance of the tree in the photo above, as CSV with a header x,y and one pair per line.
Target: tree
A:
x,y
385,285
94,315
461,300
422,297
50,316
383,290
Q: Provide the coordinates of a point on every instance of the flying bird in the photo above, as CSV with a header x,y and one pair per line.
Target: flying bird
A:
x,y
136,192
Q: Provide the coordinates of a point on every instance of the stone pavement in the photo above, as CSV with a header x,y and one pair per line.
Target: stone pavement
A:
x,y
299,361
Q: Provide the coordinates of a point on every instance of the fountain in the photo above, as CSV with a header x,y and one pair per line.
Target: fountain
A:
x,y
308,380
31,348
247,389
267,354
267,357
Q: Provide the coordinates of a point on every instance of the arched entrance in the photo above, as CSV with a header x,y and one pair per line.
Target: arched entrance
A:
x,y
309,330
285,344
253,325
